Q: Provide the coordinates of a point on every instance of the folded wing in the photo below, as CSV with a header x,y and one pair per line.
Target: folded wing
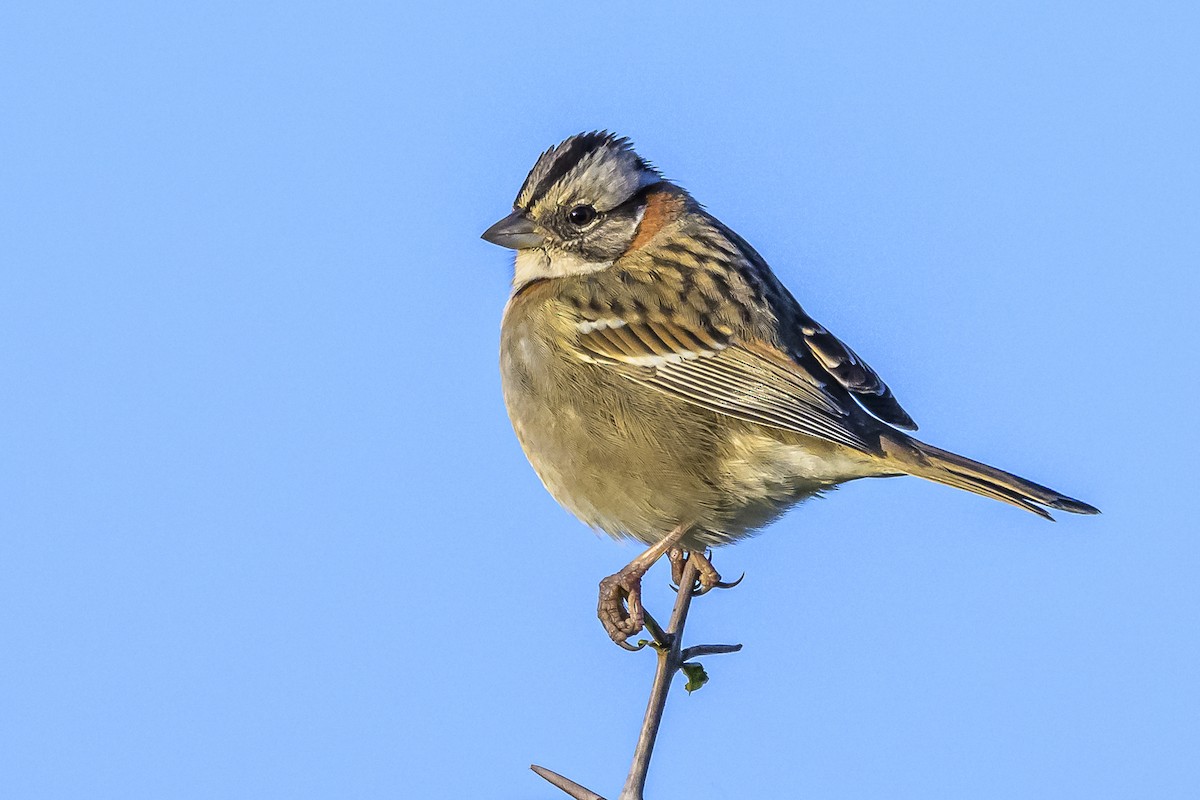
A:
x,y
752,381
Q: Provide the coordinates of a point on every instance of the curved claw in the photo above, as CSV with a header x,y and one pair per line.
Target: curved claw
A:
x,y
633,648
702,589
730,584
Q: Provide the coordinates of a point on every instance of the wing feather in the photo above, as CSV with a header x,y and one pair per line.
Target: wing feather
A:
x,y
854,374
750,381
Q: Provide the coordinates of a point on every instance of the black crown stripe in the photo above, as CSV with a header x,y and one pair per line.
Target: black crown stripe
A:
x,y
578,147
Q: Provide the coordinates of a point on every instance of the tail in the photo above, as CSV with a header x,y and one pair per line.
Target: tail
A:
x,y
942,466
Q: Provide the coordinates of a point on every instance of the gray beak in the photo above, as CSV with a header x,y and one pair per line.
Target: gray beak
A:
x,y
515,231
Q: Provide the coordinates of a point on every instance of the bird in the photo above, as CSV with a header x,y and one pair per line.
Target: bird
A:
x,y
666,387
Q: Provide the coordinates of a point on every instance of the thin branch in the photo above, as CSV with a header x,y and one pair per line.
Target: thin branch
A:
x,y
668,664
671,656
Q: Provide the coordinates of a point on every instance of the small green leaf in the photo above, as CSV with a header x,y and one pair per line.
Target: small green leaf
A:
x,y
696,676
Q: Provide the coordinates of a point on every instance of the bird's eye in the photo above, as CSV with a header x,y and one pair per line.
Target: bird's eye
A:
x,y
581,215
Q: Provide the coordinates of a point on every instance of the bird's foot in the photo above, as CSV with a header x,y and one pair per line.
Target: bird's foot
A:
x,y
620,608
707,577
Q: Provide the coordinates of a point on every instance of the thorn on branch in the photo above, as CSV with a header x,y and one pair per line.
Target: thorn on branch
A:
x,y
699,650
566,784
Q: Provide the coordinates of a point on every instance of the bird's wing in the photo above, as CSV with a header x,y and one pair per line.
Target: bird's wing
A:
x,y
681,318
810,345
701,364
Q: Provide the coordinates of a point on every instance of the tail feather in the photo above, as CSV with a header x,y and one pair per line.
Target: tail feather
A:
x,y
932,463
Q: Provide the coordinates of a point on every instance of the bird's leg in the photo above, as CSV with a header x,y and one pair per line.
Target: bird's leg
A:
x,y
707,578
678,558
620,608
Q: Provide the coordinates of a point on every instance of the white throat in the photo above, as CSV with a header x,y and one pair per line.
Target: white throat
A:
x,y
538,263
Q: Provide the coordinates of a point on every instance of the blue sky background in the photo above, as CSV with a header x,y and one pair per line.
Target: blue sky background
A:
x,y
265,531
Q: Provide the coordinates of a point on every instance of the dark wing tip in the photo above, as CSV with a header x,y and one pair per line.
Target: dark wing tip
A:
x,y
854,374
1073,505
1041,512
887,409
